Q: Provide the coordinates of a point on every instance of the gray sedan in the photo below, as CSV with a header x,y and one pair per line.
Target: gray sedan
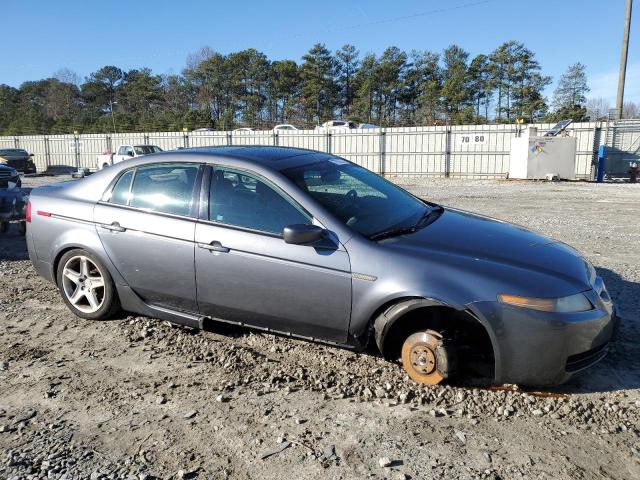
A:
x,y
304,243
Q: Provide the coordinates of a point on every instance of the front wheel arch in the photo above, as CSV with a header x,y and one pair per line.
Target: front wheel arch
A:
x,y
384,321
461,328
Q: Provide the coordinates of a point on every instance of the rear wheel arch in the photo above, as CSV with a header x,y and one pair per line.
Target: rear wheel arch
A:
x,y
56,261
67,248
87,287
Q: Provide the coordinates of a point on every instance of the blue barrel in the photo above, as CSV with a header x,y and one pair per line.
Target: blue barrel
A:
x,y
602,158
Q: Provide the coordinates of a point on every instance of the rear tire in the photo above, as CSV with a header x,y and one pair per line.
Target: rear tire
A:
x,y
86,286
426,359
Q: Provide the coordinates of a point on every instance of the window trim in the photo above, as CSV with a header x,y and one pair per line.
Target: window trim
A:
x,y
195,198
205,197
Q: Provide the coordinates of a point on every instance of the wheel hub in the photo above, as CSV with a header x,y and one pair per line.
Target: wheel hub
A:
x,y
423,359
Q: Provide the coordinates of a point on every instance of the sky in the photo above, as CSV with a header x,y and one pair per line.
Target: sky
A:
x,y
39,37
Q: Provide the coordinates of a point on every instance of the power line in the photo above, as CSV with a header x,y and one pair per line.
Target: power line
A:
x,y
391,19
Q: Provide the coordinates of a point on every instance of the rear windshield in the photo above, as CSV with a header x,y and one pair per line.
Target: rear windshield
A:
x,y
14,152
146,149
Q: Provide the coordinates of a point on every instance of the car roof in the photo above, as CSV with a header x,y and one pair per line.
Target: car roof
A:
x,y
269,158
276,158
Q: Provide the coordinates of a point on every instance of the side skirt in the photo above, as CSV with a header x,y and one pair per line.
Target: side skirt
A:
x,y
130,301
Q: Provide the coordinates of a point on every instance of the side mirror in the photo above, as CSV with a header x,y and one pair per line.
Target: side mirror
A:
x,y
300,234
31,154
131,154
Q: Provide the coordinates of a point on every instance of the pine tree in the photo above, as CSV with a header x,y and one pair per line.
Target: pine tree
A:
x,y
347,64
318,87
569,97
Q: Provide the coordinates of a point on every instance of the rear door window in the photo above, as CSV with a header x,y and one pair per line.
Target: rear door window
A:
x,y
166,188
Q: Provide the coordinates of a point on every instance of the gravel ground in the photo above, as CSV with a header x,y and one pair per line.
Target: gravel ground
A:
x,y
137,398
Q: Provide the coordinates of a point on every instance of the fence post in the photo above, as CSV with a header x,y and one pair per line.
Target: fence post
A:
x,y
47,153
16,142
382,138
185,138
275,139
328,135
109,141
145,139
76,149
447,152
229,138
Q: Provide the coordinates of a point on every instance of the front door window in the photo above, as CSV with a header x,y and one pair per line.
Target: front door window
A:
x,y
243,200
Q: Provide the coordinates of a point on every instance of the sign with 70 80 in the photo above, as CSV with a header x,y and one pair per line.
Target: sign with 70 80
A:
x,y
472,139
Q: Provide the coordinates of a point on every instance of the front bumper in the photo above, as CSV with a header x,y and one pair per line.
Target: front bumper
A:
x,y
536,348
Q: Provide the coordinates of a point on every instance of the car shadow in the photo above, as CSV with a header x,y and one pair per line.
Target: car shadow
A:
x,y
13,246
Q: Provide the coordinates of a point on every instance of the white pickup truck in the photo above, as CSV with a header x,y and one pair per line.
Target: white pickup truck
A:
x,y
125,152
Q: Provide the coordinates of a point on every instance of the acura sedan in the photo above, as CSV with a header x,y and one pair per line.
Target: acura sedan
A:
x,y
308,244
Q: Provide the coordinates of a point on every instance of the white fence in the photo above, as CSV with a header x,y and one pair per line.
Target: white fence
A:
x,y
436,151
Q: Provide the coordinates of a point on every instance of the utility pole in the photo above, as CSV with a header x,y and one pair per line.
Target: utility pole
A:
x,y
113,118
623,61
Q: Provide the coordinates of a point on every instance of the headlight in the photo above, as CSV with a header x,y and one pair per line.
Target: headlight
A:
x,y
573,303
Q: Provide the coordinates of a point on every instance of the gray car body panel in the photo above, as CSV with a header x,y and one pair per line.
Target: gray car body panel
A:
x,y
460,260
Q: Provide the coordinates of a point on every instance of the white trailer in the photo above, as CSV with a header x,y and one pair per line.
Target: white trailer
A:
x,y
542,157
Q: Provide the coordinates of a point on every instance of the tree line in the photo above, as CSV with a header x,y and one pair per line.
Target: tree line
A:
x,y
245,88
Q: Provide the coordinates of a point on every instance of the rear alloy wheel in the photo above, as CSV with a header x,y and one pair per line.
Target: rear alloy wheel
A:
x,y
426,359
86,286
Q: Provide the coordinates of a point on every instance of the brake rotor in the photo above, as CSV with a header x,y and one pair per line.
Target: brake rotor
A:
x,y
425,358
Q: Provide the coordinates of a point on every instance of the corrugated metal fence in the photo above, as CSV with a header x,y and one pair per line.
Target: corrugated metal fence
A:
x,y
436,151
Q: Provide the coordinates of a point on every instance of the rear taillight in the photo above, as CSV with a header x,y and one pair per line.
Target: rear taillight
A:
x,y
28,216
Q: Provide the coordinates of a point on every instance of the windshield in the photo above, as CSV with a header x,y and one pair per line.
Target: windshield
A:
x,y
361,199
146,149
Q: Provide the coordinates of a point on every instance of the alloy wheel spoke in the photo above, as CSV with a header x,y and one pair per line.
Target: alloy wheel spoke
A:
x,y
92,299
84,266
96,282
72,275
76,295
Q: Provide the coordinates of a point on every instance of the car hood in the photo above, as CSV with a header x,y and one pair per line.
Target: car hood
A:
x,y
482,239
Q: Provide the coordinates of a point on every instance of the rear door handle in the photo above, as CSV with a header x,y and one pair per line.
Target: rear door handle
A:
x,y
214,246
114,227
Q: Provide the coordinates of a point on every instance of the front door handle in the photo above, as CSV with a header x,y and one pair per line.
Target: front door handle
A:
x,y
214,246
114,227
